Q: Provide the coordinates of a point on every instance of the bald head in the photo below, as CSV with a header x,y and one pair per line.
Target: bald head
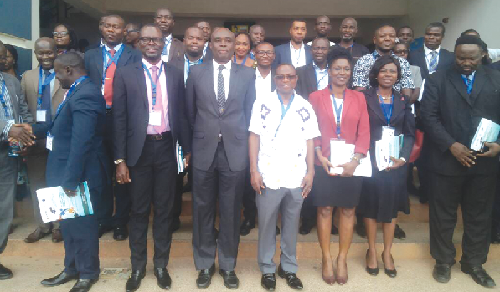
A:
x,y
222,45
45,52
45,43
348,29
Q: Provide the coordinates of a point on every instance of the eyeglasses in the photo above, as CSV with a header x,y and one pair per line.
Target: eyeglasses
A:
x,y
60,33
146,40
132,30
262,53
283,77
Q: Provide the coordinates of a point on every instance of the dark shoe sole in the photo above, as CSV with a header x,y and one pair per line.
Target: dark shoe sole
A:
x,y
267,289
440,280
205,286
7,277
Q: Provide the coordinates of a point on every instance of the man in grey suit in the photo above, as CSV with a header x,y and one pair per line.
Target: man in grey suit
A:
x,y
13,107
219,96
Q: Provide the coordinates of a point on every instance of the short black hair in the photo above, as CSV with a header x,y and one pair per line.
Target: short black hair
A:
x,y
404,26
379,64
338,53
12,50
73,39
471,40
71,59
469,31
243,33
150,25
381,26
438,25
297,20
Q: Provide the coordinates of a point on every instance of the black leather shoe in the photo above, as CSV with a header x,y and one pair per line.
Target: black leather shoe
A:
x,y
60,279
291,279
176,224
163,278
268,282
134,282
5,273
374,271
83,285
120,233
104,229
246,226
306,227
391,273
479,275
231,281
442,273
399,233
205,277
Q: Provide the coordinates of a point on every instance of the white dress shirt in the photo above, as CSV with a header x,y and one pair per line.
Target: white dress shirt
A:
x,y
298,56
187,66
283,143
428,56
225,74
262,84
321,77
168,43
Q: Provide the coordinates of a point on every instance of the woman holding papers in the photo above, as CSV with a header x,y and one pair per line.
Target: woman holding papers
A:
x,y
384,194
342,115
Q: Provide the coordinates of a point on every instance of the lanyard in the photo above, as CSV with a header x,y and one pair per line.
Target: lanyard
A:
x,y
338,111
189,63
469,86
153,84
242,63
2,100
41,85
111,60
284,110
318,82
165,47
70,91
387,114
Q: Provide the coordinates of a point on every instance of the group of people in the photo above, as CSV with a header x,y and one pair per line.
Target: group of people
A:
x,y
252,124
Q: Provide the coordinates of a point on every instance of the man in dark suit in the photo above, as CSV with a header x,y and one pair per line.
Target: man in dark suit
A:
x,y
431,57
295,52
145,152
314,76
173,47
101,64
219,98
454,102
207,32
76,156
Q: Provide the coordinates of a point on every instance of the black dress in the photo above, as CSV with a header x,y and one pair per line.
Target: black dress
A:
x,y
384,194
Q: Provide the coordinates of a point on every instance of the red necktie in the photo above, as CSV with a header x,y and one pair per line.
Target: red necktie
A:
x,y
108,82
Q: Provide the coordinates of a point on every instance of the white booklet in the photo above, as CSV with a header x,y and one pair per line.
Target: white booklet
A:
x,y
487,131
55,205
385,148
342,153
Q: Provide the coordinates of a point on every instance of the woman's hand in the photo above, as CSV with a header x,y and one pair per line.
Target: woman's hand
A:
x,y
325,163
349,168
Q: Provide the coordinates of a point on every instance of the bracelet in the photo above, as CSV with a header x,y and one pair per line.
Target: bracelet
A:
x,y
402,158
317,147
356,158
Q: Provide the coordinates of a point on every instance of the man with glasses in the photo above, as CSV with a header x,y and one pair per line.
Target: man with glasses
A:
x,y
173,47
282,128
294,52
101,64
322,29
132,35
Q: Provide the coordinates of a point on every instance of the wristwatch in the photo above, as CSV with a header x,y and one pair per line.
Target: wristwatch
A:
x,y
357,159
118,161
402,158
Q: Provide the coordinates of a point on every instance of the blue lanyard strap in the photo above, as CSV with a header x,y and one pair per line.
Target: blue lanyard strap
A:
x,y
284,110
2,100
41,85
242,63
387,113
469,85
189,63
338,111
70,91
316,74
153,83
111,60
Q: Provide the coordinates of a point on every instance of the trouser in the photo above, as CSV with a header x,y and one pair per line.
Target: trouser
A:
x,y
153,182
230,185
249,207
288,202
475,195
496,207
8,184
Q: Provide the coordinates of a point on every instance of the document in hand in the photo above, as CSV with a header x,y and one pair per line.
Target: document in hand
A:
x,y
385,148
181,161
342,153
487,131
55,205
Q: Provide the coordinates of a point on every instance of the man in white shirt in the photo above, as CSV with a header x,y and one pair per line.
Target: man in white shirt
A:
x,y
282,128
295,52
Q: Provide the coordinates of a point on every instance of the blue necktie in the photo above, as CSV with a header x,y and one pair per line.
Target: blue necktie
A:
x,y
46,104
433,62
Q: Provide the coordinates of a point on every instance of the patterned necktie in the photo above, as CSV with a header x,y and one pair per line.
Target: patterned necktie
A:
x,y
159,100
468,83
433,62
108,82
46,95
221,96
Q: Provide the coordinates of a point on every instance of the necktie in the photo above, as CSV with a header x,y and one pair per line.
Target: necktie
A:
x,y
433,62
108,82
468,83
159,100
221,96
46,95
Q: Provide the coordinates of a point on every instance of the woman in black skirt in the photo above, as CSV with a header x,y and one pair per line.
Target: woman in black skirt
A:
x,y
341,114
384,194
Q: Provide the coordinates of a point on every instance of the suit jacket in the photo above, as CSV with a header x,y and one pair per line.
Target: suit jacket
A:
x,y
207,124
77,153
402,120
284,55
450,115
354,126
19,105
357,51
417,57
176,50
495,65
94,62
131,111
307,82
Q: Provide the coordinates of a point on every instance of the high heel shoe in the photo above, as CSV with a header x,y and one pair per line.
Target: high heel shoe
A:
x,y
372,272
330,280
390,273
342,280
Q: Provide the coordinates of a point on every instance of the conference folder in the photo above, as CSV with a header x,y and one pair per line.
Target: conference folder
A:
x,y
341,153
487,131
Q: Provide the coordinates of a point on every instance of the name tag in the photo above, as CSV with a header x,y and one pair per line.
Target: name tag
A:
x,y
387,132
41,115
164,58
50,140
155,118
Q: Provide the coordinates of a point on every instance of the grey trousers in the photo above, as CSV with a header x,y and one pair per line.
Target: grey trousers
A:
x,y
8,186
288,202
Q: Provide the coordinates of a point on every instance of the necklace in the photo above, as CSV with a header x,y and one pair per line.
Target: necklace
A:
x,y
385,97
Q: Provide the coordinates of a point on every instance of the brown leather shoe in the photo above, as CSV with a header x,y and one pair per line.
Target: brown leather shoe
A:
x,y
36,236
57,235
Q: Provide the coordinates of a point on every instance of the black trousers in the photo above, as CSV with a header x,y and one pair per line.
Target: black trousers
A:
x,y
153,182
496,207
179,190
230,185
475,195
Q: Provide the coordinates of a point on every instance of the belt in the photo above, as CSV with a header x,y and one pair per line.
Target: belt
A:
x,y
158,137
108,111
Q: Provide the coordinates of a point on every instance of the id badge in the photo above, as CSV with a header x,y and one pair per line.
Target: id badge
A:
x,y
164,58
41,115
387,132
155,118
50,141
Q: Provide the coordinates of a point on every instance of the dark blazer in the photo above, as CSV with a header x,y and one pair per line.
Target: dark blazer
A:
x,y
207,124
284,55
94,62
131,111
495,65
208,54
354,126
450,115
357,51
402,120
77,153
307,82
176,50
417,57
19,105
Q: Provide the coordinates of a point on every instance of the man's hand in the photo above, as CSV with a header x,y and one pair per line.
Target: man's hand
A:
x,y
397,164
69,193
188,158
122,173
307,183
257,182
325,163
22,133
493,150
462,154
349,168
